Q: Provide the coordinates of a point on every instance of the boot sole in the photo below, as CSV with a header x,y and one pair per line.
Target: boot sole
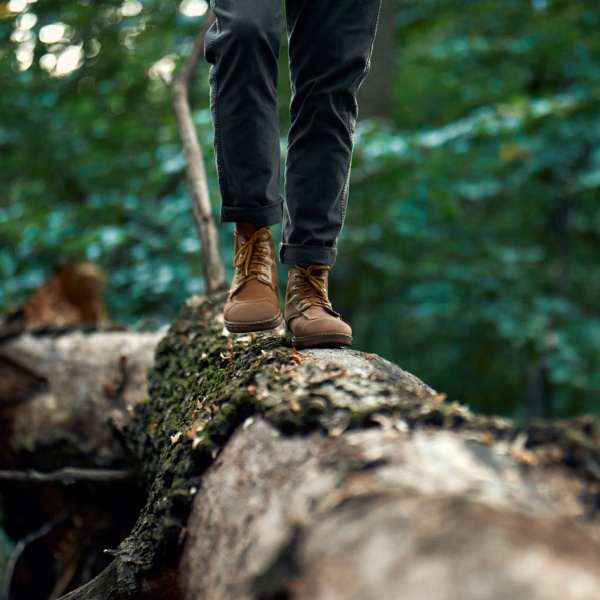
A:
x,y
331,340
254,325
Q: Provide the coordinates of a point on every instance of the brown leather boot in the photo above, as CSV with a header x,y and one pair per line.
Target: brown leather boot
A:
x,y
309,316
252,304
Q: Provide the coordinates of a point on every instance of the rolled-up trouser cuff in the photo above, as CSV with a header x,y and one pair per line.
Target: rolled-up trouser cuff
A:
x,y
303,256
261,216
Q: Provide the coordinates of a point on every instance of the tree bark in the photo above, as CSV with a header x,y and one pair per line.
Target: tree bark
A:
x,y
67,489
272,473
69,389
379,513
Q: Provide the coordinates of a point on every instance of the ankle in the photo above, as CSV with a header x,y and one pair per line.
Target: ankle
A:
x,y
311,266
313,270
247,229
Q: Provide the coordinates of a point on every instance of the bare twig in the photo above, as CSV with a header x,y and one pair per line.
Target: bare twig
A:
x,y
66,475
212,264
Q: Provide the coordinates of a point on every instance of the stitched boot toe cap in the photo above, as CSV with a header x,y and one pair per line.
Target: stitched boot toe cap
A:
x,y
251,312
320,331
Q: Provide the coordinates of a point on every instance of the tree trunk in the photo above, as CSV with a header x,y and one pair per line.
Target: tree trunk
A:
x,y
334,474
65,396
213,269
379,513
69,389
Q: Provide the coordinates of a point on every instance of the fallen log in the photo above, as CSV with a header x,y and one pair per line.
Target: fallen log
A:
x,y
65,395
272,473
335,474
67,390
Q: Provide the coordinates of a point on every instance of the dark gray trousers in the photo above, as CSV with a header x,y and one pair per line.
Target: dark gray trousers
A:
x,y
330,44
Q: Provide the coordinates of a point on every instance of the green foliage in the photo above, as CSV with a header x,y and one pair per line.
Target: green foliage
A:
x,y
91,160
471,243
469,249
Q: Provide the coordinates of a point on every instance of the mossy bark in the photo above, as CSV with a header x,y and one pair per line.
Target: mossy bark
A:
x,y
207,384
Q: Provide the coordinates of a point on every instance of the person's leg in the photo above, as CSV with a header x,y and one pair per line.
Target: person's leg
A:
x,y
242,46
330,45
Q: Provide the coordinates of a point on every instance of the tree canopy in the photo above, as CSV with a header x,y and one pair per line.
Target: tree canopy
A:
x,y
470,246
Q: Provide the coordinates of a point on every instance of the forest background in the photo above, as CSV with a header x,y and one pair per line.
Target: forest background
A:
x,y
471,246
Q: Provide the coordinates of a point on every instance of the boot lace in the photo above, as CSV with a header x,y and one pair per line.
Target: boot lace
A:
x,y
251,258
311,286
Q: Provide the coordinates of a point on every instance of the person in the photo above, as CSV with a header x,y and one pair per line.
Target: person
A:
x,y
330,45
